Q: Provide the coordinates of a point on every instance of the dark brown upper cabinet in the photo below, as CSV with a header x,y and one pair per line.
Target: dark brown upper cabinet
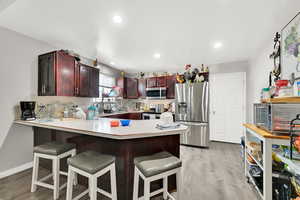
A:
x,y
156,82
142,88
121,83
161,81
151,82
65,73
129,87
56,72
94,82
170,84
59,74
132,88
46,74
87,81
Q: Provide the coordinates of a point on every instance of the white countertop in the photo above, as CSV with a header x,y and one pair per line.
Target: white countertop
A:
x,y
101,128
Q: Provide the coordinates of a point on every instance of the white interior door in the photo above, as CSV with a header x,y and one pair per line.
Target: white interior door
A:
x,y
227,106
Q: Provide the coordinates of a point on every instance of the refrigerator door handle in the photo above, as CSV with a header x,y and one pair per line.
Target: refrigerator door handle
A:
x,y
202,102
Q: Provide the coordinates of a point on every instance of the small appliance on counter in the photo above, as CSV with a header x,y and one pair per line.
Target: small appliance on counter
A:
x,y
28,110
275,117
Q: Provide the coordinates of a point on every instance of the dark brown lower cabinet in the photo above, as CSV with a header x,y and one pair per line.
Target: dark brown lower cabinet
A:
x,y
133,116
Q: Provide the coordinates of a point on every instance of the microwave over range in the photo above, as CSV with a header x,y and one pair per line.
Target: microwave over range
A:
x,y
275,118
156,93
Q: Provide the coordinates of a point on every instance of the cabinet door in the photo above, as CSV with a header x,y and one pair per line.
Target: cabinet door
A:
x,y
142,88
151,82
83,82
94,82
135,116
65,75
132,88
121,82
161,81
46,74
171,81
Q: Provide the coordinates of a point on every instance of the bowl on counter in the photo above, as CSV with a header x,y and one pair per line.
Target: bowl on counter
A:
x,y
125,122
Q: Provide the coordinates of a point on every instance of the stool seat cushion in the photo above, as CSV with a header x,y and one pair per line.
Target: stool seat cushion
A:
x,y
90,161
54,148
157,163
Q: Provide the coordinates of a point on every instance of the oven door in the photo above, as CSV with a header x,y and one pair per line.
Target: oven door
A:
x,y
156,93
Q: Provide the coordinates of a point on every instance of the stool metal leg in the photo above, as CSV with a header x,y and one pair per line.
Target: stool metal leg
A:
x,y
178,184
90,187
93,188
146,190
75,175
113,183
70,184
56,170
136,184
165,187
35,171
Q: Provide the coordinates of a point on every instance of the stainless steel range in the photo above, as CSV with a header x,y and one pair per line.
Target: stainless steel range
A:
x,y
192,108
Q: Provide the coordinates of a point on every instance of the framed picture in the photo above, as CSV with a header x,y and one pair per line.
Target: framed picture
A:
x,y
290,48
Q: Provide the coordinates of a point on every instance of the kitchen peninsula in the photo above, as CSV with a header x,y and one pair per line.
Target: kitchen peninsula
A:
x,y
139,139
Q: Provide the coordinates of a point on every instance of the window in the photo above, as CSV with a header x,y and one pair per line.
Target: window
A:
x,y
106,83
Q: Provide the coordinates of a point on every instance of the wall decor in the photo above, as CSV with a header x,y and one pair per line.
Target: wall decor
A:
x,y
276,57
290,48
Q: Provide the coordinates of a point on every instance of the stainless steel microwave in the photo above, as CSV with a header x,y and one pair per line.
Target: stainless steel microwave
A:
x,y
156,93
275,117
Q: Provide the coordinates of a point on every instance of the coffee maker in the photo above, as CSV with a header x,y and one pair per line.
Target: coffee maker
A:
x,y
27,110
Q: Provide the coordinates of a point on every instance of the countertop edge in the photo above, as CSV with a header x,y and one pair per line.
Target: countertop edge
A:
x,y
99,134
265,133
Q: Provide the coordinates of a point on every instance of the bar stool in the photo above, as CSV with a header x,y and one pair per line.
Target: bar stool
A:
x,y
92,165
157,166
53,151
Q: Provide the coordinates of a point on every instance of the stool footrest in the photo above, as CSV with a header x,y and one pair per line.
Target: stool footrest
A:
x,y
81,195
104,193
63,173
46,185
170,196
45,178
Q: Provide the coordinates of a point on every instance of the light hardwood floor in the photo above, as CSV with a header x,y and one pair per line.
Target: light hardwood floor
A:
x,y
208,174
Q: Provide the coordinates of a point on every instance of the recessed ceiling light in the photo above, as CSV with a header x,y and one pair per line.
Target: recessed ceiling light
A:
x,y
117,19
218,45
156,55
112,63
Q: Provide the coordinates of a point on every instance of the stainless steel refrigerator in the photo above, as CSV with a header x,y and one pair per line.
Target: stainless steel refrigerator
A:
x,y
192,110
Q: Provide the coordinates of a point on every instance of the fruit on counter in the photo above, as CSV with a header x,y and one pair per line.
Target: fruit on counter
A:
x,y
297,143
275,158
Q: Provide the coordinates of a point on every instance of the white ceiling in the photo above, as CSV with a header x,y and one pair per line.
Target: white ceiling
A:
x,y
182,31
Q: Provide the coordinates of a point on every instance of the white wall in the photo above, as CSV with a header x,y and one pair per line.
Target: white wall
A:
x,y
18,80
258,78
260,65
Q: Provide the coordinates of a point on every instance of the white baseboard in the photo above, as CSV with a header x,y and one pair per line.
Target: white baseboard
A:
x,y
16,170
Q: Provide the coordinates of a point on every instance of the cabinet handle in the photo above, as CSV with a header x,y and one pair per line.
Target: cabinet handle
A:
x,y
76,91
43,89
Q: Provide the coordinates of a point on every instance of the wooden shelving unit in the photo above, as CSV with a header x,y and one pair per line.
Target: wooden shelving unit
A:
x,y
267,140
282,100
